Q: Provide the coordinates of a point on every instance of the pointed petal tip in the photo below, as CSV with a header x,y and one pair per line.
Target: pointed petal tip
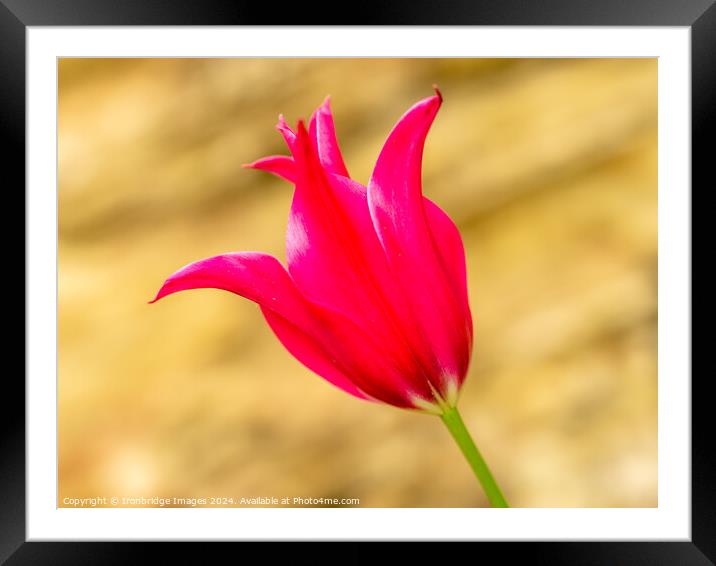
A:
x,y
301,128
254,164
163,292
280,165
156,297
257,164
288,134
282,125
438,93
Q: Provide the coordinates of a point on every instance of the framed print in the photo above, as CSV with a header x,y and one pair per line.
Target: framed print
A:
x,y
422,278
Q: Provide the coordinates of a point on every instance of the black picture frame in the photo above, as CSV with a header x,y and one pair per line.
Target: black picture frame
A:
x,y
17,15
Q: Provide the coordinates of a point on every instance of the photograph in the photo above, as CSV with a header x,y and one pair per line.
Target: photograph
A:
x,y
357,282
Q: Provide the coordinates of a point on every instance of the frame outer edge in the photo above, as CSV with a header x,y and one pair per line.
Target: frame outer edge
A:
x,y
12,135
12,464
703,129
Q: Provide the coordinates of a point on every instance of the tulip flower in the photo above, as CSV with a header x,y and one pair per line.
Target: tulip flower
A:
x,y
374,295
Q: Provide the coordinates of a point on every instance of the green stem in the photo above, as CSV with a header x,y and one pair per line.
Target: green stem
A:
x,y
452,419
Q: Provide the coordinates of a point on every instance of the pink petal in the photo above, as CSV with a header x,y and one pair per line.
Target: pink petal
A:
x,y
346,350
309,352
425,276
445,234
323,248
280,165
262,279
256,276
323,134
325,341
335,258
449,246
288,134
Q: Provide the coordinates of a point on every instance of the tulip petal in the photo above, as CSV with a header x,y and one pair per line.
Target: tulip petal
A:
x,y
344,350
323,135
400,219
451,250
323,249
256,276
280,165
323,340
335,258
288,134
262,279
309,352
328,241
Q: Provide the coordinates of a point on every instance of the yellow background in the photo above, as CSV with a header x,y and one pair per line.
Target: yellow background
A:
x,y
549,168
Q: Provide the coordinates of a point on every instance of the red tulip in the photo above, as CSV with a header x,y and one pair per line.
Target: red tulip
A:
x,y
374,298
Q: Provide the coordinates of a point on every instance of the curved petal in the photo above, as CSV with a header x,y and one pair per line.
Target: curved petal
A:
x,y
288,134
335,258
349,358
323,135
397,208
323,340
451,250
256,276
280,165
323,248
309,352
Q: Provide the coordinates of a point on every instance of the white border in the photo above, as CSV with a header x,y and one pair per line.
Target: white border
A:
x,y
671,520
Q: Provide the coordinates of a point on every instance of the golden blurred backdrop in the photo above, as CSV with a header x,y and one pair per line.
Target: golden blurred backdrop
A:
x,y
549,168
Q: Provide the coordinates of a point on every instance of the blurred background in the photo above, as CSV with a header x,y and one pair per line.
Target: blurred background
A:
x,y
549,168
